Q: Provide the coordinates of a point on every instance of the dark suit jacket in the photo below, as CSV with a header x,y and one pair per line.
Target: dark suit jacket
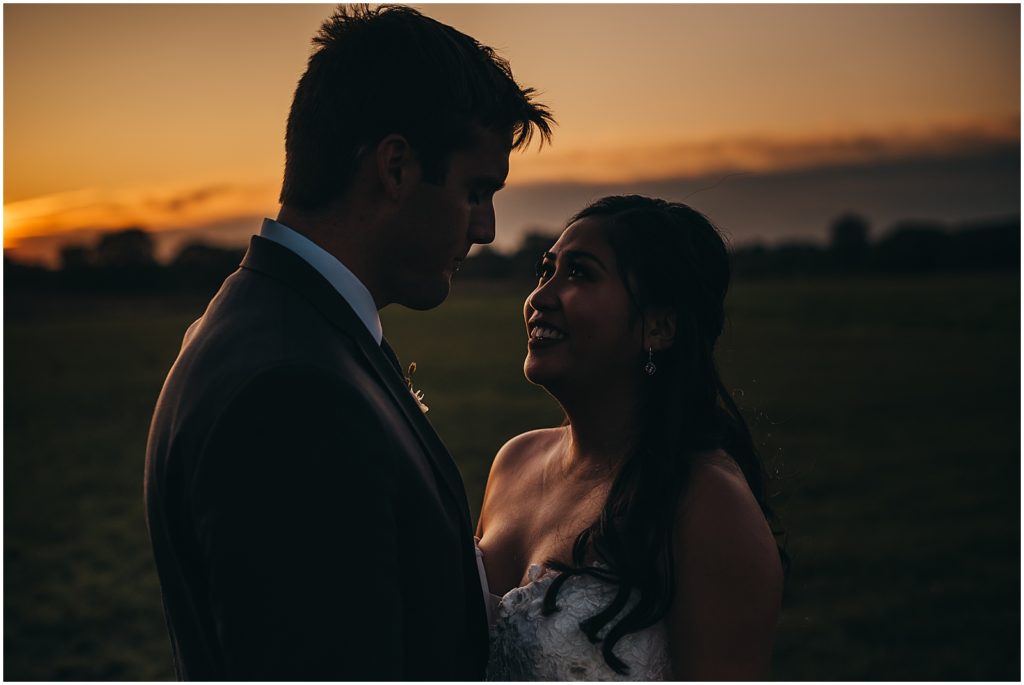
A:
x,y
306,520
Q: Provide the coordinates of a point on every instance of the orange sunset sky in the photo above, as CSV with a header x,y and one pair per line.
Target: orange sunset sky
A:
x,y
171,117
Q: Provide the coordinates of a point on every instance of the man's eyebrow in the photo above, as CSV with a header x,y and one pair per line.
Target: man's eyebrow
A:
x,y
575,254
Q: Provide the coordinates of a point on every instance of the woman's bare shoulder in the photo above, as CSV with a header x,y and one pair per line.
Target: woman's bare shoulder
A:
x,y
525,450
721,520
728,577
718,459
513,471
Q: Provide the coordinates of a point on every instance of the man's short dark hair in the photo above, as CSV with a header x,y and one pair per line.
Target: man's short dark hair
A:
x,y
390,70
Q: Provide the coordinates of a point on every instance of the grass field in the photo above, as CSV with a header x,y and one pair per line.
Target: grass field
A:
x,y
889,408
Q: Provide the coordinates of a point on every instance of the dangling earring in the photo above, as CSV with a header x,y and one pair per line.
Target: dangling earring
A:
x,y
649,367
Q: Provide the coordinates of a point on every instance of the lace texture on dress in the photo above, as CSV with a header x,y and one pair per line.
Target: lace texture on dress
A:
x,y
526,645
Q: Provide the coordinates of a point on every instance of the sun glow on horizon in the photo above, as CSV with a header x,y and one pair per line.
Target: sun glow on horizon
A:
x,y
155,208
180,206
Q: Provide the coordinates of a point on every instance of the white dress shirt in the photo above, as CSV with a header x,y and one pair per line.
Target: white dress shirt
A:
x,y
331,268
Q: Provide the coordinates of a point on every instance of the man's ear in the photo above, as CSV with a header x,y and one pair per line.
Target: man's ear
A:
x,y
659,328
397,165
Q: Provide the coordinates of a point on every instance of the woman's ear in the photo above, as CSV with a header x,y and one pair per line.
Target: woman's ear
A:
x,y
659,328
396,165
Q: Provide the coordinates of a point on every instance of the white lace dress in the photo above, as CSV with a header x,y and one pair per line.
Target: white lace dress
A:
x,y
526,645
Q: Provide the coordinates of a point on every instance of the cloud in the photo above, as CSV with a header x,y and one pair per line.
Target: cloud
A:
x,y
200,196
797,204
682,158
154,208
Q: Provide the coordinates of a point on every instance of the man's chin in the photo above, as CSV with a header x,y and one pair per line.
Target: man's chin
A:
x,y
427,296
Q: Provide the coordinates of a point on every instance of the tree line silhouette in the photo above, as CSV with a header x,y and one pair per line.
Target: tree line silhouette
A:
x,y
909,247
125,260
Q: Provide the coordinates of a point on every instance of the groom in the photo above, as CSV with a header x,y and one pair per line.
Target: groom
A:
x,y
307,522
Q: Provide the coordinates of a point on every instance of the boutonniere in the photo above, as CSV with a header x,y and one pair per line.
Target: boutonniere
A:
x,y
416,394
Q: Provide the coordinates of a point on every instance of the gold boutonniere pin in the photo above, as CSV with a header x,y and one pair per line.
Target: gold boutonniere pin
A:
x,y
416,394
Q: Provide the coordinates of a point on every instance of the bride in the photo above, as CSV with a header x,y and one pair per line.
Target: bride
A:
x,y
631,543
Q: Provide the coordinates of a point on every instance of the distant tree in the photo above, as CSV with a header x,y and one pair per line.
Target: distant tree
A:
x,y
912,247
203,267
486,263
537,241
203,257
798,258
121,260
20,275
848,242
985,247
534,244
750,261
131,248
74,258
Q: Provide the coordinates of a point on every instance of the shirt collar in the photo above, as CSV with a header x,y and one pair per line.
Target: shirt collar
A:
x,y
331,268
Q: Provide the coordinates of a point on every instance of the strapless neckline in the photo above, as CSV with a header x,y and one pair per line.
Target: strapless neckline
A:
x,y
527,644
534,573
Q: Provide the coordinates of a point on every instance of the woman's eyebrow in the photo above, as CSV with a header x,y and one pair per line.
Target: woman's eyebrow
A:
x,y
574,254
583,254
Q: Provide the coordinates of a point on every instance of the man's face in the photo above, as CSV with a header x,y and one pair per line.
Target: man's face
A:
x,y
437,224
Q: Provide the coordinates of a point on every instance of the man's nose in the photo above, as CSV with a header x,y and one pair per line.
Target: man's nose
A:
x,y
482,228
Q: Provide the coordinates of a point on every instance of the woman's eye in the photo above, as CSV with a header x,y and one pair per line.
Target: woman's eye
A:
x,y
545,270
577,273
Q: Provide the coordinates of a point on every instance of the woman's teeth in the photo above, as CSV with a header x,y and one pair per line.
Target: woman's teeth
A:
x,y
548,333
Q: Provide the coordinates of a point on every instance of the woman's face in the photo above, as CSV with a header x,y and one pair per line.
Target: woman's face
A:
x,y
578,318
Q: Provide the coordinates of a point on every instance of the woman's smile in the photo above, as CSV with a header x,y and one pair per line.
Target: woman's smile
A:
x,y
543,334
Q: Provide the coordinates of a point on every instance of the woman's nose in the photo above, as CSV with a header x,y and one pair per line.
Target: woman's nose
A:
x,y
544,297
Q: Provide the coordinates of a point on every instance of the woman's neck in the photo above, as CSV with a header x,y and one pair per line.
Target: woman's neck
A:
x,y
598,437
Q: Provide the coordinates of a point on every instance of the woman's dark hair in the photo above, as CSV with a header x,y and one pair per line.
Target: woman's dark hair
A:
x,y
389,69
669,256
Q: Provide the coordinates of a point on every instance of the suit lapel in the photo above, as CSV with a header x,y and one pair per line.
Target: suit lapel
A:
x,y
390,354
449,471
281,264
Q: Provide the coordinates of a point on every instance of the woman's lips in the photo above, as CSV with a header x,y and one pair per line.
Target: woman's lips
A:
x,y
542,343
543,336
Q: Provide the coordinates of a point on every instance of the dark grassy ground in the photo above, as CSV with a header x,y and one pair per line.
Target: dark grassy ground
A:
x,y
890,408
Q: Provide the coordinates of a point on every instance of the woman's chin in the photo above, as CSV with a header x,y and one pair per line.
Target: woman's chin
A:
x,y
539,373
